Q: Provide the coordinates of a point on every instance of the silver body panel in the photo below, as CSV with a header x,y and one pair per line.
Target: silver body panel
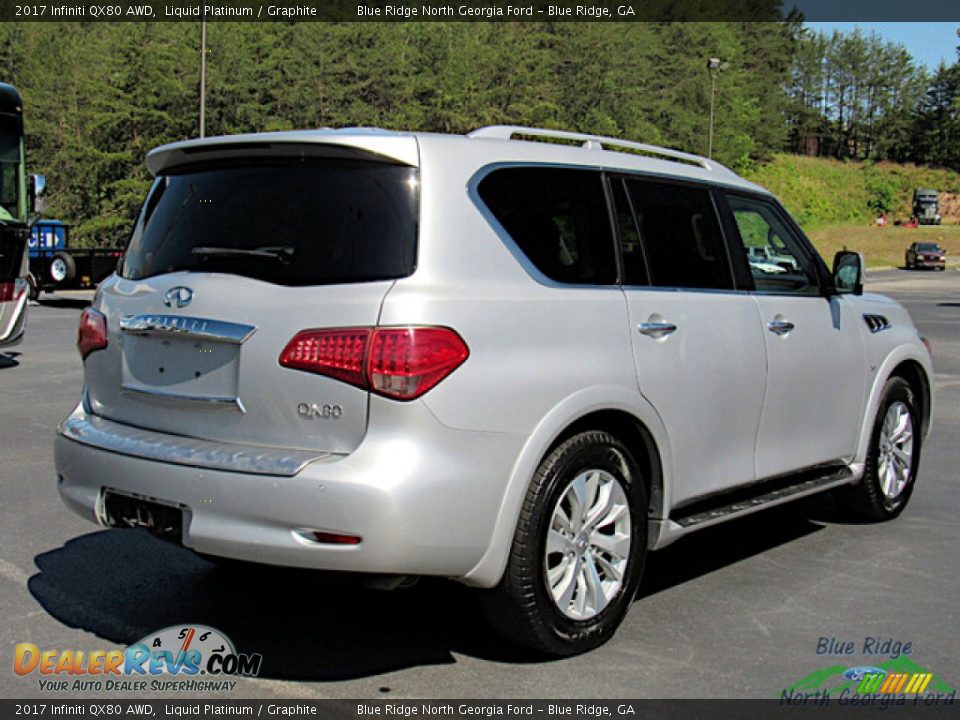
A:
x,y
434,486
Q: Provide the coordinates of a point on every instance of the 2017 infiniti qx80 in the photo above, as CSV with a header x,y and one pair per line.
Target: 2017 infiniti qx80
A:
x,y
507,360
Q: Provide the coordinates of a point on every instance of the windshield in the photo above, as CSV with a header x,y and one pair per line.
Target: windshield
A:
x,y
11,171
289,221
928,247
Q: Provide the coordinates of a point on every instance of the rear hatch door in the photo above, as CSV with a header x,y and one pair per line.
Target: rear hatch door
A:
x,y
231,258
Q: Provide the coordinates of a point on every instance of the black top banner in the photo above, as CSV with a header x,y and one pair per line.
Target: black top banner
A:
x,y
479,11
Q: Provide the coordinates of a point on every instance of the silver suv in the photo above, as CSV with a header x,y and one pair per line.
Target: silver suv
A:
x,y
520,359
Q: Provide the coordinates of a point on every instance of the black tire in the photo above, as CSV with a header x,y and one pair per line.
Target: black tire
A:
x,y
866,500
69,268
521,608
34,289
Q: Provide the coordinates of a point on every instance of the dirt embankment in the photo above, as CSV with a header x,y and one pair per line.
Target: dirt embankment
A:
x,y
950,208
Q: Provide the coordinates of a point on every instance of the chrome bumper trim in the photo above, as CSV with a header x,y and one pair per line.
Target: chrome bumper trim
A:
x,y
116,437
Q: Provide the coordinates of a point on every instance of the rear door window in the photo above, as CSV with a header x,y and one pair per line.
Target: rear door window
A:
x,y
288,221
558,218
681,236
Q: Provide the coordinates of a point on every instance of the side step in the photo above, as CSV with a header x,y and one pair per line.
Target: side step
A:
x,y
754,497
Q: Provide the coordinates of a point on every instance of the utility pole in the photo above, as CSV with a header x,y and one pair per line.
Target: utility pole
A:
x,y
714,67
203,75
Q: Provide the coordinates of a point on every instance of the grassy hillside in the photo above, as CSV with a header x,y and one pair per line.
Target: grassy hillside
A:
x,y
835,203
883,247
821,192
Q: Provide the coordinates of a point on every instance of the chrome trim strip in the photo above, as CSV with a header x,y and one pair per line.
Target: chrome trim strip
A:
x,y
188,327
104,434
210,401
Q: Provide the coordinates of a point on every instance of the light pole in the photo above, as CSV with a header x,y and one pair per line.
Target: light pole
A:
x,y
203,74
714,67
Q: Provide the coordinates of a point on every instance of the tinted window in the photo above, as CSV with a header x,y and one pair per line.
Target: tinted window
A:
x,y
681,235
285,221
11,254
774,253
558,218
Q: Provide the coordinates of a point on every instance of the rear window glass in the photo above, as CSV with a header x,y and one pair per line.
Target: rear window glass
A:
x,y
285,221
558,218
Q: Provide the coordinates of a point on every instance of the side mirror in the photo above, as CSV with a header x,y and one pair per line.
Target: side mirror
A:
x,y
848,273
38,194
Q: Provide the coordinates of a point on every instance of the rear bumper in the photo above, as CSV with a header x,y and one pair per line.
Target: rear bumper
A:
x,y
423,498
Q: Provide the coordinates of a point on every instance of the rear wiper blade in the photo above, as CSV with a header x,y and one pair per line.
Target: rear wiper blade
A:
x,y
278,254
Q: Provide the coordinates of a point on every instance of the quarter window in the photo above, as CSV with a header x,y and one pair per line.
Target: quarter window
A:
x,y
681,235
558,218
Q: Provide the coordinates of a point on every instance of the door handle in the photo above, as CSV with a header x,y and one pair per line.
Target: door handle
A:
x,y
780,327
657,329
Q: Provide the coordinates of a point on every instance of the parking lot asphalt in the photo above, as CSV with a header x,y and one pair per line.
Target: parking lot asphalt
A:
x,y
730,612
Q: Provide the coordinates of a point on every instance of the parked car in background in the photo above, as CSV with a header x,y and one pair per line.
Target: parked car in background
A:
x,y
925,255
519,359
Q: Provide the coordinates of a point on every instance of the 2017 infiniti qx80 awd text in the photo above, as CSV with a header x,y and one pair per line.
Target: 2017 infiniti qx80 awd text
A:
x,y
510,361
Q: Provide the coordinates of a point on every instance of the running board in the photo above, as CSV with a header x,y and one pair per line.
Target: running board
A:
x,y
755,498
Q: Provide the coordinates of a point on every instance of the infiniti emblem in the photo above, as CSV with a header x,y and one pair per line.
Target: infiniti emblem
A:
x,y
179,296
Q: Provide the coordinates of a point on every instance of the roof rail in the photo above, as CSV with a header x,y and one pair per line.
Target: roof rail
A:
x,y
593,142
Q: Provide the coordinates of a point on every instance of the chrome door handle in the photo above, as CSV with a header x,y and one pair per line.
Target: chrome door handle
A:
x,y
780,327
657,329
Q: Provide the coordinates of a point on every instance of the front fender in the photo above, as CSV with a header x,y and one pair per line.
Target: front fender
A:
x,y
899,355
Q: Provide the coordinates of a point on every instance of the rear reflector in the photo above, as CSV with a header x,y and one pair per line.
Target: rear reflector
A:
x,y
92,332
397,362
335,538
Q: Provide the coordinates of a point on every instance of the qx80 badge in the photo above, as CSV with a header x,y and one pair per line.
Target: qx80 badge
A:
x,y
315,410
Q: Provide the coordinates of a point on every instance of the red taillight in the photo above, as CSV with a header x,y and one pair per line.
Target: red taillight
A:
x,y
400,363
11,290
337,353
92,333
406,362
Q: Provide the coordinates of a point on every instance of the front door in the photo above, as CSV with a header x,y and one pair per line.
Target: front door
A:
x,y
815,355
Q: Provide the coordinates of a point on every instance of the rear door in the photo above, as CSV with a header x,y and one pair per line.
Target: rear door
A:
x,y
816,360
229,261
696,341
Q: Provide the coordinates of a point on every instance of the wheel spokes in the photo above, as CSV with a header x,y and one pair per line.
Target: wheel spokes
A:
x,y
588,544
895,459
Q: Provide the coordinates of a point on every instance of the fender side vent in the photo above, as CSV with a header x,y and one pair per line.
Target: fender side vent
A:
x,y
876,323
